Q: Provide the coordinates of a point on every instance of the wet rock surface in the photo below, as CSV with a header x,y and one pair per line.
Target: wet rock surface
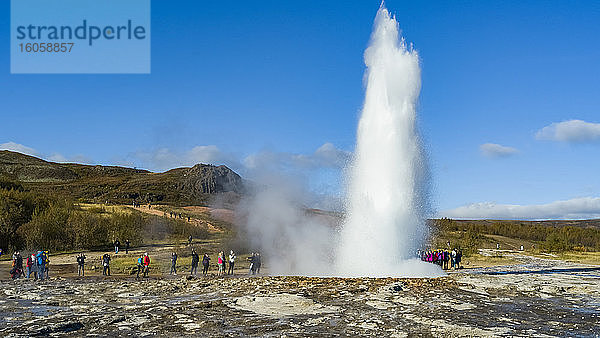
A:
x,y
479,303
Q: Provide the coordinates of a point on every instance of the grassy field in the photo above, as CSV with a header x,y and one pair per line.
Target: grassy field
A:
x,y
474,261
582,257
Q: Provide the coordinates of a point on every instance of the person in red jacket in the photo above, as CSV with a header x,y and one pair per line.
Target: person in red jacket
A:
x,y
29,265
146,264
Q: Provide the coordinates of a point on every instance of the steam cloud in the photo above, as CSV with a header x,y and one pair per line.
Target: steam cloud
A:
x,y
291,239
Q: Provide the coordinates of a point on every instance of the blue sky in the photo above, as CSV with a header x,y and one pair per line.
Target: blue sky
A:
x,y
279,84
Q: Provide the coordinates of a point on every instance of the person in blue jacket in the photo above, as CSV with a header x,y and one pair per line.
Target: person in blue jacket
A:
x,y
41,260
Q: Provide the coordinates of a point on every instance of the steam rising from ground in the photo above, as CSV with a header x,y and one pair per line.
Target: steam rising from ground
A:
x,y
292,240
386,202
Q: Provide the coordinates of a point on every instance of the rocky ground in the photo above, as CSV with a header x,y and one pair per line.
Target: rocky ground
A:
x,y
537,297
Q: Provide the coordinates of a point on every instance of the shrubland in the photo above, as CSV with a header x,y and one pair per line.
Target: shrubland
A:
x,y
550,236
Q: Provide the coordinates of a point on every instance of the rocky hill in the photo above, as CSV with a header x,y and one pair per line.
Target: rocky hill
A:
x,y
96,183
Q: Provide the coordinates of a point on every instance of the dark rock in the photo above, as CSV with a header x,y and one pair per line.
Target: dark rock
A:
x,y
117,320
59,328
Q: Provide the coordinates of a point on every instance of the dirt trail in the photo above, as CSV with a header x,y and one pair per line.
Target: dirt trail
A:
x,y
198,222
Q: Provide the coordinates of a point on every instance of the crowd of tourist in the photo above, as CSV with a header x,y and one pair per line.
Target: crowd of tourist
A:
x,y
37,264
444,258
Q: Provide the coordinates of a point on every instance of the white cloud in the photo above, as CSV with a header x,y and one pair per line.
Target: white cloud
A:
x,y
577,208
575,131
12,146
326,156
495,150
59,158
54,157
164,158
207,154
81,159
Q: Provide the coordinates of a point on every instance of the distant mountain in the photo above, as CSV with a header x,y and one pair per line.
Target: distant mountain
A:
x,y
96,183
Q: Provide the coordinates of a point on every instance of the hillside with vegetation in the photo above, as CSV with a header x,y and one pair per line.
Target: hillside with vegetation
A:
x,y
113,184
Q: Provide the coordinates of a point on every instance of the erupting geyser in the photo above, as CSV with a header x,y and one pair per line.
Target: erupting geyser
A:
x,y
387,198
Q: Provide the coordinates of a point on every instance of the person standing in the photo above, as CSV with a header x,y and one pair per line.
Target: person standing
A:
x,y
446,258
16,271
252,260
195,261
47,263
231,262
127,243
205,264
106,265
81,265
34,266
20,265
29,265
258,262
220,263
41,263
146,264
173,263
117,244
140,265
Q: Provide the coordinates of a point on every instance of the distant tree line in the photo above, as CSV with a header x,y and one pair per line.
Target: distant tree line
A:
x,y
550,237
